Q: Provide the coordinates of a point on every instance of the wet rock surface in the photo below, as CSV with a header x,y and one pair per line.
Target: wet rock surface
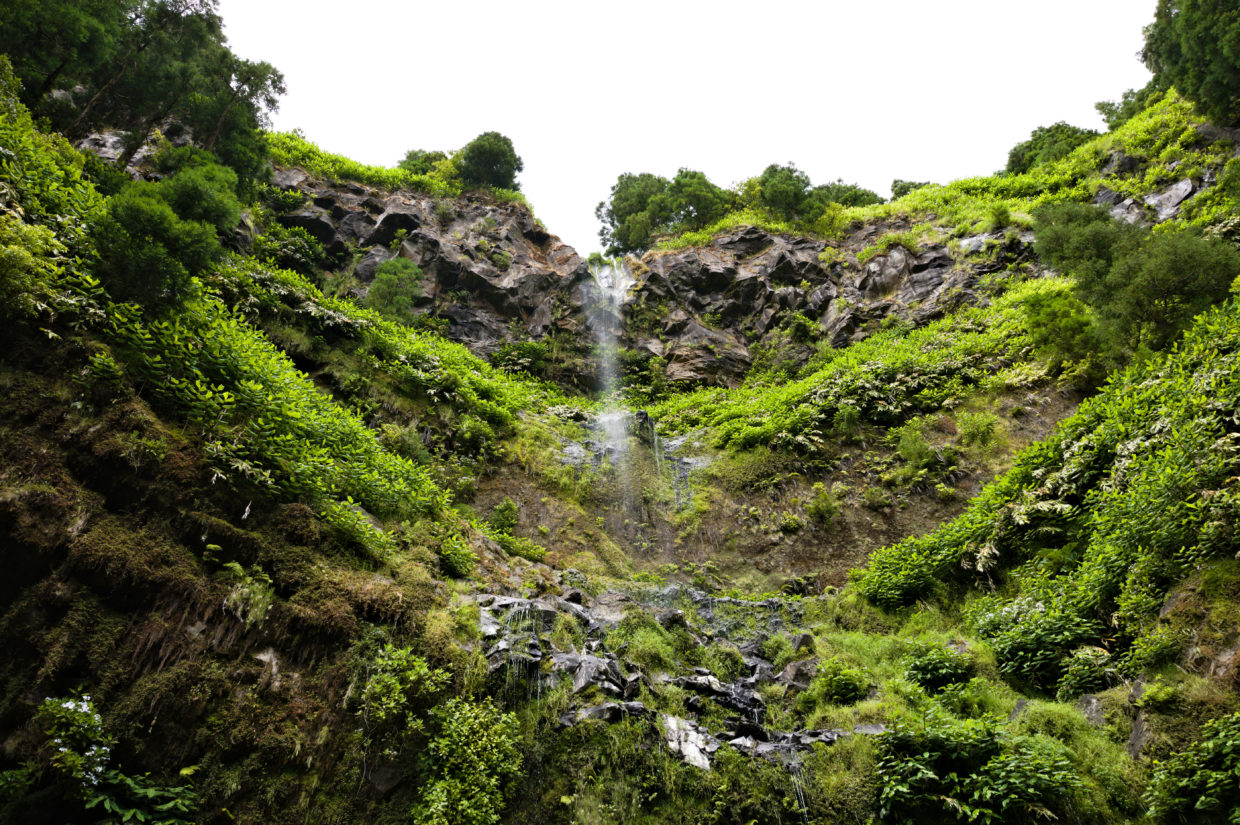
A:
x,y
524,663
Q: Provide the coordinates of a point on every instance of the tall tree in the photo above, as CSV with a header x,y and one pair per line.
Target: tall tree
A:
x,y
60,42
1194,45
695,201
490,160
256,85
151,23
636,206
784,190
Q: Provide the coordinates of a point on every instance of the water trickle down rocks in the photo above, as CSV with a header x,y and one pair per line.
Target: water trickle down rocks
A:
x,y
523,662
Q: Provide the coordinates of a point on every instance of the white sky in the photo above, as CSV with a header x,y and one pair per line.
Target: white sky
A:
x,y
864,91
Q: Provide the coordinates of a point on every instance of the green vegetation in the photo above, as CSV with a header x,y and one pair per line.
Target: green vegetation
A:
x,y
1193,45
489,160
284,539
1047,143
1145,287
645,205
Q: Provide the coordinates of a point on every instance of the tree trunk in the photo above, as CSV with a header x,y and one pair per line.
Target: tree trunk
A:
x,y
209,145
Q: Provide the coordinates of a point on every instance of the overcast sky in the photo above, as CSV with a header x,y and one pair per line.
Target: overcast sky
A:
x,y
864,91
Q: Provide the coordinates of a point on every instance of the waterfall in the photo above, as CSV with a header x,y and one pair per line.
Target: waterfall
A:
x,y
613,423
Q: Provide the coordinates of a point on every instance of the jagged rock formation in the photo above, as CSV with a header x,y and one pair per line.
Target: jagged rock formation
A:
x,y
498,277
703,309
490,269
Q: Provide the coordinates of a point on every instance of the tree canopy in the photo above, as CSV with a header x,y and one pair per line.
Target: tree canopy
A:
x,y
1194,45
1047,143
138,66
490,160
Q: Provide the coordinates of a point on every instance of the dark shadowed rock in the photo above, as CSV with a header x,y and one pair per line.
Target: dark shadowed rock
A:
x,y
313,219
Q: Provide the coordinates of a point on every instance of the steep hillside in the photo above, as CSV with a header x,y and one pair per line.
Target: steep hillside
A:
x,y
356,495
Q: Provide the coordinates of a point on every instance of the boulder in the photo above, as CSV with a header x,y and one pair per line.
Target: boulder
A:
x,y
798,675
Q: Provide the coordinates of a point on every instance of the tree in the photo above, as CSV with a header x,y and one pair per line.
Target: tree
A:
x,y
256,85
638,204
900,188
58,43
784,190
1194,45
1047,143
1118,112
695,201
490,160
421,162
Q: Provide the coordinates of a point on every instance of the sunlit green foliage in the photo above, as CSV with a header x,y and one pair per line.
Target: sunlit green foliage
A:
x,y
1199,784
948,770
292,149
476,758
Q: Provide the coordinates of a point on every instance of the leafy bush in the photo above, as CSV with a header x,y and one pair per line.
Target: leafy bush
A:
x,y
476,757
147,254
1047,143
289,247
455,557
952,770
203,193
935,666
72,763
1200,784
395,290
900,188
1145,286
977,429
28,266
1087,670
421,162
399,690
837,683
824,506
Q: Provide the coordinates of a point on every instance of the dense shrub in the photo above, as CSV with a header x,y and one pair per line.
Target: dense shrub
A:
x,y
837,683
900,188
489,160
935,666
952,770
395,290
147,254
1144,286
1202,783
289,247
421,162
1047,143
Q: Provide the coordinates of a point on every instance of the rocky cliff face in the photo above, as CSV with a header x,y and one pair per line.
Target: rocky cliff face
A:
x,y
498,277
492,271
704,309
